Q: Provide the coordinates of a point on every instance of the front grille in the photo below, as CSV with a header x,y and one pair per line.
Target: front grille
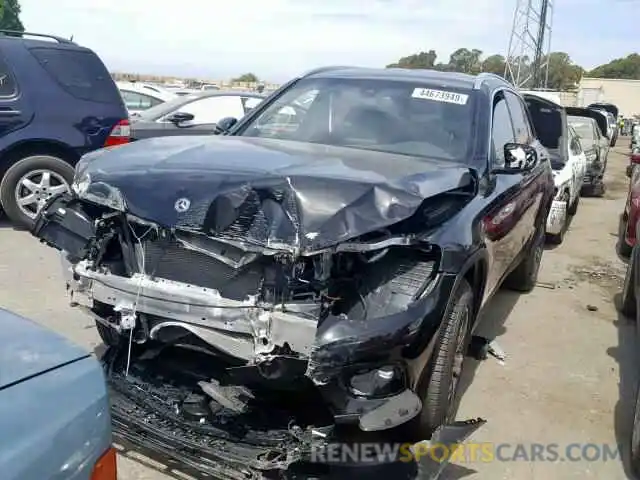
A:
x,y
171,261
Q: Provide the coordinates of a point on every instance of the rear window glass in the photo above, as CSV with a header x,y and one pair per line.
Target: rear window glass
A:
x,y
8,86
80,73
583,127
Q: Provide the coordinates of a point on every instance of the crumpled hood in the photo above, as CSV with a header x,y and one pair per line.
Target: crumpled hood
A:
x,y
270,192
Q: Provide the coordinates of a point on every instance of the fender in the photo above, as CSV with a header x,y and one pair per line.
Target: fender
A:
x,y
477,256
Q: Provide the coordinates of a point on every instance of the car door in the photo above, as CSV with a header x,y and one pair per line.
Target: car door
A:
x,y
602,145
207,112
532,185
15,109
577,164
504,236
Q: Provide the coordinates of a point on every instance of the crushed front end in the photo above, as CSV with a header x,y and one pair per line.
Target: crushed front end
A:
x,y
337,303
340,318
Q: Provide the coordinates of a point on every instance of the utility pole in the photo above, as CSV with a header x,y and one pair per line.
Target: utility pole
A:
x,y
527,62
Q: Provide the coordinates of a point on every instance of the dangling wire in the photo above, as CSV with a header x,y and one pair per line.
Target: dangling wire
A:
x,y
139,290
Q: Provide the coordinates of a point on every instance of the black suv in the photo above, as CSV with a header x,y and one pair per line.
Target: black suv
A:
x,y
57,102
343,237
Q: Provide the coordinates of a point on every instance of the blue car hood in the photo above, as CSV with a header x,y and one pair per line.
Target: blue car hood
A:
x,y
267,192
27,349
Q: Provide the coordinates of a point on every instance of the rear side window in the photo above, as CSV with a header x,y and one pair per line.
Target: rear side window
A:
x,y
519,118
8,85
138,101
80,73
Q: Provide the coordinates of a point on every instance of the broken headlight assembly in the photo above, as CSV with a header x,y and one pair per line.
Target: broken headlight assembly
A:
x,y
380,382
98,193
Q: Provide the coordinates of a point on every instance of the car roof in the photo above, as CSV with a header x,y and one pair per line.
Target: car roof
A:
x,y
451,79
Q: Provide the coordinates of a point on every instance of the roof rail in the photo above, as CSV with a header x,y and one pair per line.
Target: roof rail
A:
x,y
17,33
486,75
324,69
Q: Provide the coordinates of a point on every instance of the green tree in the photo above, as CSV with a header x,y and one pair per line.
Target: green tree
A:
x,y
627,67
466,61
247,77
418,60
494,64
10,15
563,73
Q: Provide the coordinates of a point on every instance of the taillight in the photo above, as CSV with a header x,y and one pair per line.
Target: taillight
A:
x,y
635,158
119,135
106,466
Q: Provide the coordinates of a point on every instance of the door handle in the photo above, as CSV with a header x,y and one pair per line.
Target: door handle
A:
x,y
10,113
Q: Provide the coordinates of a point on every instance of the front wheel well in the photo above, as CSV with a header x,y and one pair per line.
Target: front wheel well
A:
x,y
476,276
17,152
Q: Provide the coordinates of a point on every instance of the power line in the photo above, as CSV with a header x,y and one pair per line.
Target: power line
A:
x,y
530,44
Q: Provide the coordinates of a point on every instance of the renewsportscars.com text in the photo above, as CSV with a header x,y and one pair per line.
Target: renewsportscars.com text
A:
x,y
367,453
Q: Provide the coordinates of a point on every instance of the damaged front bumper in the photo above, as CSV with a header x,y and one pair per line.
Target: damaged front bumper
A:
x,y
365,362
162,423
557,218
594,174
352,366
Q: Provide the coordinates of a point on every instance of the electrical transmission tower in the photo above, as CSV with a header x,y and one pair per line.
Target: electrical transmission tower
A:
x,y
530,44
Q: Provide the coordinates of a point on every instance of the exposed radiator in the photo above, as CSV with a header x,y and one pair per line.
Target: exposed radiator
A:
x,y
171,261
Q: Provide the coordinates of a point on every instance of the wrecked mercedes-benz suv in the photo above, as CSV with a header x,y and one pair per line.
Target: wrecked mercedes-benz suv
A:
x,y
342,238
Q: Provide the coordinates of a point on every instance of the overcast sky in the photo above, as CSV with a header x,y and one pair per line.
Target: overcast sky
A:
x,y
278,38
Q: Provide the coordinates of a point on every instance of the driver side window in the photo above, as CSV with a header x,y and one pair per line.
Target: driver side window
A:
x,y
289,116
501,131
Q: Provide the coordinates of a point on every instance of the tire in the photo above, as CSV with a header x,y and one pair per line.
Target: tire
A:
x,y
628,304
596,189
558,238
35,166
624,250
110,336
634,440
437,387
573,208
525,276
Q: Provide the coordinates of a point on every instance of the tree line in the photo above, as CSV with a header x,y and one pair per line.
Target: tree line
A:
x,y
564,74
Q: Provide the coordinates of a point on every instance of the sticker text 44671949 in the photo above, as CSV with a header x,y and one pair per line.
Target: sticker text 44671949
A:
x,y
440,96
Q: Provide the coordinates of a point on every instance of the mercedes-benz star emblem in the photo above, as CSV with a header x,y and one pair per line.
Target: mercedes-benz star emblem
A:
x,y
182,205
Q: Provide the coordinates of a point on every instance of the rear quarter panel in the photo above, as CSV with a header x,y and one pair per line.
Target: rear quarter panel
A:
x,y
55,426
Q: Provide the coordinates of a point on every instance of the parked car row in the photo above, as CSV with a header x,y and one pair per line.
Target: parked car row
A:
x,y
629,249
336,241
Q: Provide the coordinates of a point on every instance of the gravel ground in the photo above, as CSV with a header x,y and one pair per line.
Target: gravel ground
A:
x,y
569,376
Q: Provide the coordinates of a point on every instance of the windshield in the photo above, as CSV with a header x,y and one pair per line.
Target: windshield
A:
x,y
582,126
389,116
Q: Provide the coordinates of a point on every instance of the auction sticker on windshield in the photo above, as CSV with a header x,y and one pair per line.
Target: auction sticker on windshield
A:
x,y
440,96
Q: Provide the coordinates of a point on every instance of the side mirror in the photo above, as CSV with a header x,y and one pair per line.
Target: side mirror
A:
x,y
519,158
224,125
180,117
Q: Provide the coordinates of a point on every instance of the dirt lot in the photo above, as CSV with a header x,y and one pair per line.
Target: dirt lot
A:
x,y
570,369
